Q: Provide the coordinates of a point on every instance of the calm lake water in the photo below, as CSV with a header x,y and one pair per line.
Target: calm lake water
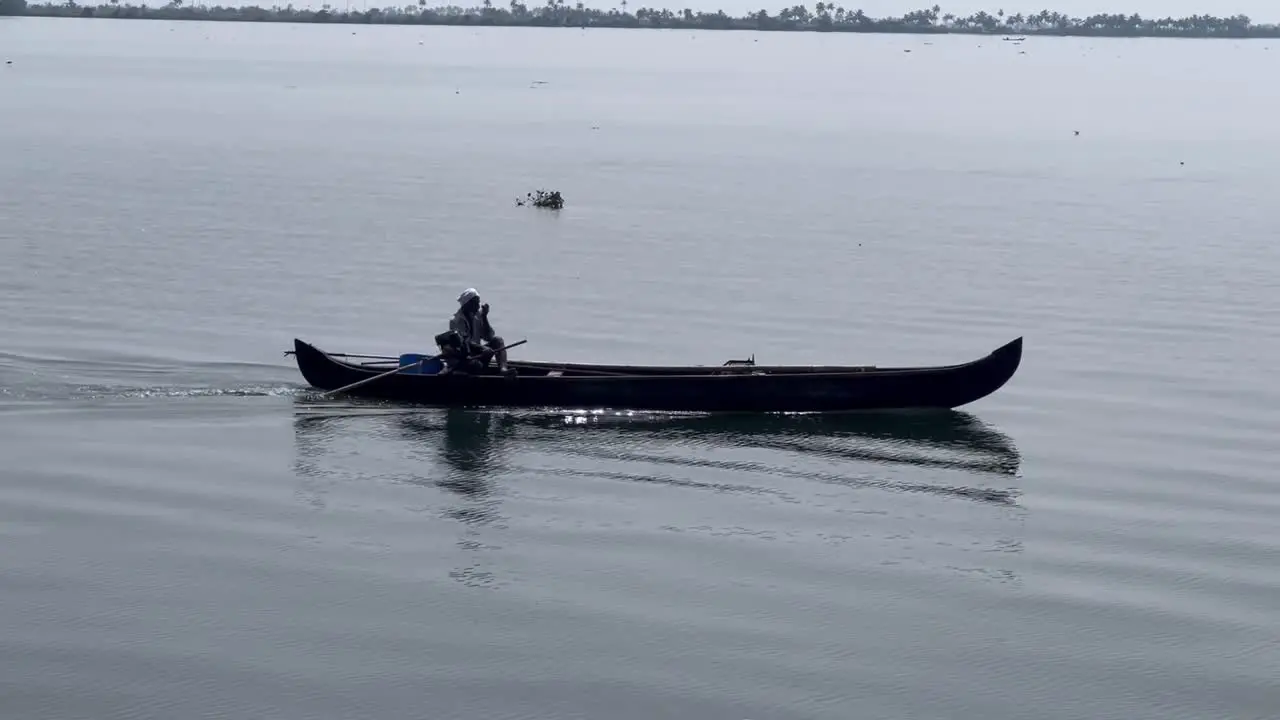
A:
x,y
187,531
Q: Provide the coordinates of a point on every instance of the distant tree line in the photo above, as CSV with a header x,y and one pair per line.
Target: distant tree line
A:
x,y
825,17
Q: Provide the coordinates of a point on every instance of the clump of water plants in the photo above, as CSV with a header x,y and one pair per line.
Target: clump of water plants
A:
x,y
550,199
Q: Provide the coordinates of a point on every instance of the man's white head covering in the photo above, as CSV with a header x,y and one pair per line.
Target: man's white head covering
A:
x,y
466,296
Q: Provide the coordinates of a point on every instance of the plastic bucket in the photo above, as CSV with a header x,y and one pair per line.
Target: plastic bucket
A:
x,y
432,366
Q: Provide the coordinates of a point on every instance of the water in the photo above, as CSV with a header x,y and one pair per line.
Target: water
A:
x,y
187,531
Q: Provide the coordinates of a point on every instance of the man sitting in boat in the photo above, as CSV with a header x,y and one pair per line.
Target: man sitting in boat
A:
x,y
469,333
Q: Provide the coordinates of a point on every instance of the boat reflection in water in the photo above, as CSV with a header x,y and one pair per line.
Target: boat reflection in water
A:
x,y
876,437
471,447
355,455
482,459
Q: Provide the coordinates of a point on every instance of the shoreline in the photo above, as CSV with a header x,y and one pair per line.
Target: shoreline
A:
x,y
825,18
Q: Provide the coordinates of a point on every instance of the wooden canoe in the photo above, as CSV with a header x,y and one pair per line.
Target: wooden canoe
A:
x,y
737,387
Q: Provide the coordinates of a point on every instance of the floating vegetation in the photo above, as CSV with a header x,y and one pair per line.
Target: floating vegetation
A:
x,y
550,199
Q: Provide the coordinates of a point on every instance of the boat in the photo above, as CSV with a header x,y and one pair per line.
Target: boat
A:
x,y
736,386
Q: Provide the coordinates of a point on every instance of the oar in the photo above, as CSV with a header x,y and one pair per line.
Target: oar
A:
x,y
358,383
345,355
495,350
393,371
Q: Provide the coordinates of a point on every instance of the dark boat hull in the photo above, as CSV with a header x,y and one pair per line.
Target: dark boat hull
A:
x,y
691,389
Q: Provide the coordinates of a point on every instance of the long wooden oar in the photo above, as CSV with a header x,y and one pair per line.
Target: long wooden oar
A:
x,y
346,355
367,380
393,371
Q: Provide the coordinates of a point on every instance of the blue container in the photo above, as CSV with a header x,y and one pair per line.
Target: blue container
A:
x,y
432,366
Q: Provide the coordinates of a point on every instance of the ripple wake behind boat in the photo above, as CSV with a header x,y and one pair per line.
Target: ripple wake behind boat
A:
x,y
49,379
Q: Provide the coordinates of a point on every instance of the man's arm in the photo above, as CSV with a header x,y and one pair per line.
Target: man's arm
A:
x,y
489,332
